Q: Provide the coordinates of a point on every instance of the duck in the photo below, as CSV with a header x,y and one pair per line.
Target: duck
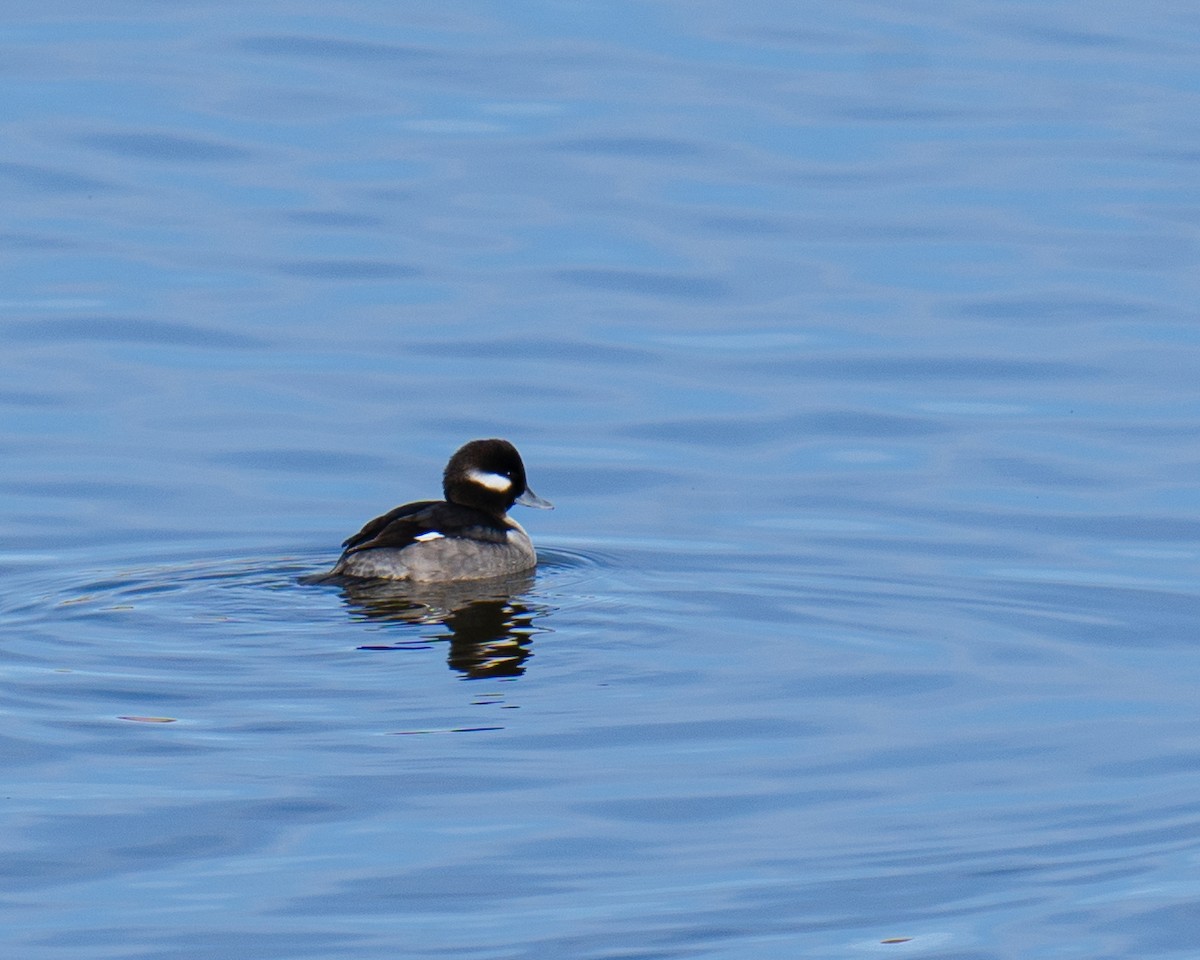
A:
x,y
466,536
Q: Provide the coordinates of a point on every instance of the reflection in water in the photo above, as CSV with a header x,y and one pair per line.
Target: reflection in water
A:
x,y
488,627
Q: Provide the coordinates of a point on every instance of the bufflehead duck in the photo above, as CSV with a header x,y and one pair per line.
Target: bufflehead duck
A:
x,y
467,536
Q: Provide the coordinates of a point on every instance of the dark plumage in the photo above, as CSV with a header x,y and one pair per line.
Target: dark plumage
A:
x,y
467,536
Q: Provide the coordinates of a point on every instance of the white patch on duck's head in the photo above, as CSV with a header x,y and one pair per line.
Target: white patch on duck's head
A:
x,y
492,481
431,535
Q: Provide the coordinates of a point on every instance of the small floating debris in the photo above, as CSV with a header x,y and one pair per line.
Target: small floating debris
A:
x,y
414,733
149,719
897,940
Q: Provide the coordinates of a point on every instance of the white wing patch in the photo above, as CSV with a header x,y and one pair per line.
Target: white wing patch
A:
x,y
493,481
431,535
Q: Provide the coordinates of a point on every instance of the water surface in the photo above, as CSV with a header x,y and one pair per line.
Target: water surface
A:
x,y
856,347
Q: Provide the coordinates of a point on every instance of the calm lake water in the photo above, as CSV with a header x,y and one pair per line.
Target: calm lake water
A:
x,y
857,346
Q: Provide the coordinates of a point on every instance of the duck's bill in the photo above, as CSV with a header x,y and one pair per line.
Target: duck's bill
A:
x,y
531,499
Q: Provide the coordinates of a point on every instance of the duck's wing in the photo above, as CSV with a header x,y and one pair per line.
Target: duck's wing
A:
x,y
426,520
396,528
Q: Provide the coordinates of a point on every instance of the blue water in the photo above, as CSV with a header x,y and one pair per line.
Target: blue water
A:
x,y
857,346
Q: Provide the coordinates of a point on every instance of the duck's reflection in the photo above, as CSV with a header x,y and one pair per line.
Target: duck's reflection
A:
x,y
488,623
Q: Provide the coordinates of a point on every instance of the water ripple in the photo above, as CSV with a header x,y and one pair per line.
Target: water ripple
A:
x,y
646,283
171,147
128,330
48,179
